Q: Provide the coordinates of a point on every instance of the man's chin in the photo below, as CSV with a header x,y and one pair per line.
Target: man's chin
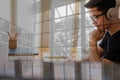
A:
x,y
101,28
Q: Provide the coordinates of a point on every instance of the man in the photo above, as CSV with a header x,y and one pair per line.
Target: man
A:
x,y
108,51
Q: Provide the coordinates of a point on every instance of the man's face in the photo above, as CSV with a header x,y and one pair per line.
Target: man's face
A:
x,y
99,19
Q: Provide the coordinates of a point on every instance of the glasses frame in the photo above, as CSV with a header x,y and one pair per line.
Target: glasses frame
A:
x,y
95,17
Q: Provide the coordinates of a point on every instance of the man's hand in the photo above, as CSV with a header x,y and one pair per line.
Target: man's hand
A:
x,y
96,35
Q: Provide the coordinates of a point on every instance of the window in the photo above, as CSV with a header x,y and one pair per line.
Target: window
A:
x,y
69,24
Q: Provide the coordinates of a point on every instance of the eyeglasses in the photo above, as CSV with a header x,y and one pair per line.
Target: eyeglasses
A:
x,y
95,17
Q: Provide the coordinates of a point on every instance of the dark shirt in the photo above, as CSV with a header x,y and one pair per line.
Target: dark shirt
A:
x,y
111,46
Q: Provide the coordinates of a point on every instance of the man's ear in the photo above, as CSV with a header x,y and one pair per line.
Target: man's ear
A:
x,y
114,13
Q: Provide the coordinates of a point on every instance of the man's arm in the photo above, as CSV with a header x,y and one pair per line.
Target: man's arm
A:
x,y
100,51
95,54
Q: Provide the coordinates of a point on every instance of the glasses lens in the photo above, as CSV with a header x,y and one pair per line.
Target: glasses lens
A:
x,y
94,18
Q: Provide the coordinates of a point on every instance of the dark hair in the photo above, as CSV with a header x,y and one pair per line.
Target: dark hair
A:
x,y
102,5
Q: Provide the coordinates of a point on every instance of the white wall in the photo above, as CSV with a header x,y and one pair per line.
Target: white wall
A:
x,y
5,9
25,14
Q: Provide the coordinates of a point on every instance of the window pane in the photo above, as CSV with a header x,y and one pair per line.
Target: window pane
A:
x,y
60,24
69,9
57,15
88,20
37,19
73,22
62,11
37,28
37,41
63,38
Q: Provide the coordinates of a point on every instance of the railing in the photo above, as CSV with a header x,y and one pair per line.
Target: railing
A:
x,y
35,69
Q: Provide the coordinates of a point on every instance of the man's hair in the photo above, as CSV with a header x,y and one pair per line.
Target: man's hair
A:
x,y
101,5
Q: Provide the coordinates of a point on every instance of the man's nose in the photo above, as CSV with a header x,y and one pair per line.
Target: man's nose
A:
x,y
94,22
